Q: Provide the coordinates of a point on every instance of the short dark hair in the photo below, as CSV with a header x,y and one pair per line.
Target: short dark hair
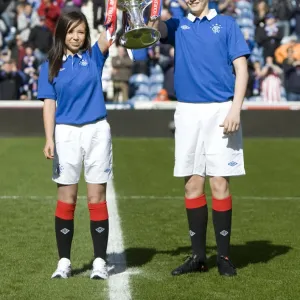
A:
x,y
64,23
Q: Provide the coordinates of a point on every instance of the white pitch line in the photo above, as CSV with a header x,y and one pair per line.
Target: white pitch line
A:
x,y
150,197
118,280
263,198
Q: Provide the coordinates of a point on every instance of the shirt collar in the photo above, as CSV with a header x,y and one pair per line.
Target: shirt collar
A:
x,y
211,14
65,57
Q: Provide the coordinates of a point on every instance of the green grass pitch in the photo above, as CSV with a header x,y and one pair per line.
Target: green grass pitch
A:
x,y
265,235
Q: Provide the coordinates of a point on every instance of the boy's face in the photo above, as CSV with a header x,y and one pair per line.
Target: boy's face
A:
x,y
197,6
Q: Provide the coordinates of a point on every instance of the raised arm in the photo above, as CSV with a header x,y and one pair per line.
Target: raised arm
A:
x,y
103,42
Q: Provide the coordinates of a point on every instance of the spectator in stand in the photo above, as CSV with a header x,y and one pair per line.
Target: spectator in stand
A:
x,y
260,12
18,51
220,6
40,39
10,81
257,78
291,68
51,11
168,69
5,56
140,61
227,7
161,96
281,51
26,20
71,5
29,63
99,8
121,72
254,82
271,84
33,86
178,8
296,15
269,36
282,10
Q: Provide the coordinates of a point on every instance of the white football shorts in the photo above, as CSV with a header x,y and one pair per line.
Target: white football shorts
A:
x,y
89,144
201,147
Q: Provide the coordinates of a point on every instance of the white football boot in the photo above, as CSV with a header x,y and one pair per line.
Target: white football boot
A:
x,y
63,269
99,269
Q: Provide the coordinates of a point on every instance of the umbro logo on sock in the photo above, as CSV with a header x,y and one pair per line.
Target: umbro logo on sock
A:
x,y
192,233
65,230
100,229
224,232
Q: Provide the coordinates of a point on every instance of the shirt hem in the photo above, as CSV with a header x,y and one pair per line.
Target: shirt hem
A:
x,y
81,124
201,101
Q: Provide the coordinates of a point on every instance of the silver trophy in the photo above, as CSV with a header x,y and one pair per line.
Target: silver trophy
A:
x,y
137,34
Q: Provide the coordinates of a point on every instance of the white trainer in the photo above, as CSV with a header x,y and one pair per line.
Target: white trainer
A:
x,y
99,269
63,269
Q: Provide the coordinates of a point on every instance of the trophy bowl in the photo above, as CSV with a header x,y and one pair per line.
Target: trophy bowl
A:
x,y
137,35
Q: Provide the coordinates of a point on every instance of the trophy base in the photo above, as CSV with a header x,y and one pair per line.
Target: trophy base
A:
x,y
139,38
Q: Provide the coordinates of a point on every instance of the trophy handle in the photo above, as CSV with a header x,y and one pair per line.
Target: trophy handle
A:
x,y
144,5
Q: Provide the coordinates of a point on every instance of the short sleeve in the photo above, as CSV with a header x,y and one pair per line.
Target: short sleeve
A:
x,y
45,88
172,25
237,45
98,56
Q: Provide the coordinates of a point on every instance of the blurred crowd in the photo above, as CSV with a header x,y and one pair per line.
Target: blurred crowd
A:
x,y
270,27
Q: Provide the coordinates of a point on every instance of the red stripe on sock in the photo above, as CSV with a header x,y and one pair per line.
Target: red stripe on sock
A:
x,y
64,210
195,202
222,204
98,211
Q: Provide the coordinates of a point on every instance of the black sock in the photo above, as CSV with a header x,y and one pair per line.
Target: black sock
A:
x,y
99,232
222,214
99,228
197,215
64,230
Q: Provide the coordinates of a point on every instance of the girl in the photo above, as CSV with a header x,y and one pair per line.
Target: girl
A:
x,y
74,113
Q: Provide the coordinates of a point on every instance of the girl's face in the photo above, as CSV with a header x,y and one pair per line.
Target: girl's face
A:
x,y
75,38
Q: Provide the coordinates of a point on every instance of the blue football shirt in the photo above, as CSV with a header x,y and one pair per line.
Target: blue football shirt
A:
x,y
77,89
204,53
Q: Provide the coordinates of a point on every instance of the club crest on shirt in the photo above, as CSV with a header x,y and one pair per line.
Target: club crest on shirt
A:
x,y
216,28
83,63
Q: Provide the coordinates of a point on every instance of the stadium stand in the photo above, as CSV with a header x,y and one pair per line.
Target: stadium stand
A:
x,y
270,27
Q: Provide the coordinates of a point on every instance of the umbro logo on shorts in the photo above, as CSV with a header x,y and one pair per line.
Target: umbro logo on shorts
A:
x,y
232,163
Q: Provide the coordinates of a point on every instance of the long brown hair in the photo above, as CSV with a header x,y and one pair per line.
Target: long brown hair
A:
x,y
64,23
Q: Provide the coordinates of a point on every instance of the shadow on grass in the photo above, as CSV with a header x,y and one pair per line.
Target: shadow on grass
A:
x,y
83,269
252,252
115,265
